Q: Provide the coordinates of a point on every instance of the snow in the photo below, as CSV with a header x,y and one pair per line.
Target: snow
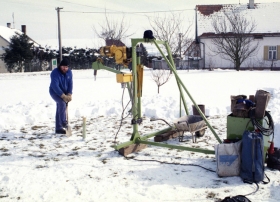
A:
x,y
8,33
37,165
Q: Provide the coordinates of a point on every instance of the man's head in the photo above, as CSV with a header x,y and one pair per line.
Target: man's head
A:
x,y
63,66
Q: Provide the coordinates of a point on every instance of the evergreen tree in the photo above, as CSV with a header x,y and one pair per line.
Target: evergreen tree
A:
x,y
18,53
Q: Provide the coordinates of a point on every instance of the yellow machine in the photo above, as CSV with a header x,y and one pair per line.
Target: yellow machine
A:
x,y
118,53
112,59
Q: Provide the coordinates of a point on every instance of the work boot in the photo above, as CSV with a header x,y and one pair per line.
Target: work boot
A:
x,y
60,131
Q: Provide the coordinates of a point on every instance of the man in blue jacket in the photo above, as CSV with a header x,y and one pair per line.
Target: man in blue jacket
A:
x,y
61,91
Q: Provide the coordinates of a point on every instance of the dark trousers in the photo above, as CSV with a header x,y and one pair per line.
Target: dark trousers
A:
x,y
60,116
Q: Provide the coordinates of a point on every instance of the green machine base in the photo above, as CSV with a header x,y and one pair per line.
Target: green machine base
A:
x,y
237,125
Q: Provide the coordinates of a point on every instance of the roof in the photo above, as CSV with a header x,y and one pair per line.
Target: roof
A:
x,y
7,33
266,16
229,34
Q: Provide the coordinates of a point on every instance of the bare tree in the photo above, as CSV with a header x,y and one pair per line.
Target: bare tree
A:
x,y
160,76
172,28
234,39
112,29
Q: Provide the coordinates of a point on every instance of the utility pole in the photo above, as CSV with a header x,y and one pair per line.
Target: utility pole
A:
x,y
59,33
196,32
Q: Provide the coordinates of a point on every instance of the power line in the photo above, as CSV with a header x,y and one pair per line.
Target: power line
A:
x,y
122,12
117,11
85,5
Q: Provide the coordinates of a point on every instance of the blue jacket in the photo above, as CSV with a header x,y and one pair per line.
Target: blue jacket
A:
x,y
61,83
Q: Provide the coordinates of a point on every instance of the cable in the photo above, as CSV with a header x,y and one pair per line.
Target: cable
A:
x,y
189,164
182,164
264,131
156,119
122,118
257,189
84,5
117,11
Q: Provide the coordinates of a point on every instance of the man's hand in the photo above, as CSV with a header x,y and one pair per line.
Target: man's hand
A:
x,y
65,98
69,96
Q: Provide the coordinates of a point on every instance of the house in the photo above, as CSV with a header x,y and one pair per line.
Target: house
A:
x,y
193,57
6,32
265,36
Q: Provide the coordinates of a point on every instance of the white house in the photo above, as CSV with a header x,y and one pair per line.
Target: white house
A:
x,y
6,33
266,35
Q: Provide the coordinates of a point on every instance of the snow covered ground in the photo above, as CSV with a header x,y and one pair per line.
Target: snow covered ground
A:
x,y
37,165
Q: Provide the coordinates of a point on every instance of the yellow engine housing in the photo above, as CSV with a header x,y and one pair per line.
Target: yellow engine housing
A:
x,y
119,53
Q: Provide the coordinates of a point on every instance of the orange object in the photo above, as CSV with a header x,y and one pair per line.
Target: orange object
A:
x,y
271,148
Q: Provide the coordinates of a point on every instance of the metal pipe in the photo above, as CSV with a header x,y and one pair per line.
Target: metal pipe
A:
x,y
205,151
135,112
147,136
140,93
84,128
196,31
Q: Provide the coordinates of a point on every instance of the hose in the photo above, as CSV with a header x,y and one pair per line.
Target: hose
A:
x,y
264,131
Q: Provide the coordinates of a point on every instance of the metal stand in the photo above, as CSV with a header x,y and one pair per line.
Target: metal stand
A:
x,y
136,100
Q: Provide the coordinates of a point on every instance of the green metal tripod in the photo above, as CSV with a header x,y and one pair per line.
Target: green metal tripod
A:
x,y
136,107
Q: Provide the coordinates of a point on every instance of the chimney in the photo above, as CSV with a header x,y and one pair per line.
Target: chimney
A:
x,y
251,4
23,28
9,25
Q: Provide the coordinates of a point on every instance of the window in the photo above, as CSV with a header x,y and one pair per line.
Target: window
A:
x,y
272,52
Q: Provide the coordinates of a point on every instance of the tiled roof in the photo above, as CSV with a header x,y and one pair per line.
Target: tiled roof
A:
x,y
209,9
266,16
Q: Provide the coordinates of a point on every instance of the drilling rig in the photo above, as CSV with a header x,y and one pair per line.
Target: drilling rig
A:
x,y
124,58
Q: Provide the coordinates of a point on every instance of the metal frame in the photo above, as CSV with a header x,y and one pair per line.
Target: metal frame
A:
x,y
136,107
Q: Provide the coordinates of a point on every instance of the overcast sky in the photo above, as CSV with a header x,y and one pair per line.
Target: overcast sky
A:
x,y
79,16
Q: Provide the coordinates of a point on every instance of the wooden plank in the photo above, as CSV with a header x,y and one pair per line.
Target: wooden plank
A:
x,y
131,149
158,138
166,136
177,134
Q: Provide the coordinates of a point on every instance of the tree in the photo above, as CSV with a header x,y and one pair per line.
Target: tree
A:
x,y
18,53
172,28
79,58
160,76
42,58
112,29
234,39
